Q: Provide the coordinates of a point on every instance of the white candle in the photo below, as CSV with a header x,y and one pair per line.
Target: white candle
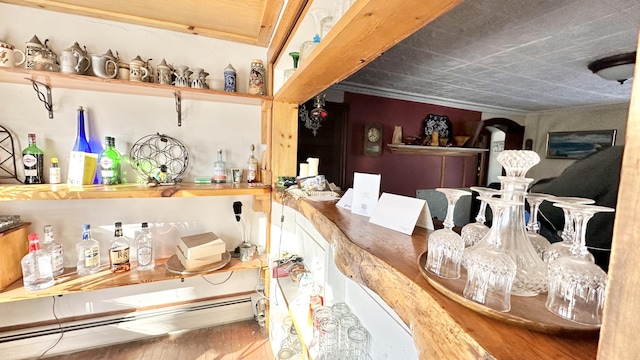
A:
x,y
304,170
313,166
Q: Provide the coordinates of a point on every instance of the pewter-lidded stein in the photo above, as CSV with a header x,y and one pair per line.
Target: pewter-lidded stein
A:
x,y
138,70
182,73
163,73
74,60
197,82
32,48
39,56
105,65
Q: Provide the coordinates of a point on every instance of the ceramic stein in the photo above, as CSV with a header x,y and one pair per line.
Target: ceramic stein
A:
x,y
137,70
74,60
163,73
8,55
39,56
182,76
32,48
197,82
103,66
123,71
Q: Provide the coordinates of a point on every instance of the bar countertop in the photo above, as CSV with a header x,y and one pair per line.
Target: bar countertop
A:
x,y
386,262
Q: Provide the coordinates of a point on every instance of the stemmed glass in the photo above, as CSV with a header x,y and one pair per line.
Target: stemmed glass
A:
x,y
539,242
576,284
562,248
473,232
490,270
445,247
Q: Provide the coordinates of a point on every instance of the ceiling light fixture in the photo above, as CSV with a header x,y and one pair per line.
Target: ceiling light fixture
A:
x,y
617,67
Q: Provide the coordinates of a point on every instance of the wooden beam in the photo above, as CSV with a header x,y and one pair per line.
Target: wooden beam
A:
x,y
284,140
289,22
364,32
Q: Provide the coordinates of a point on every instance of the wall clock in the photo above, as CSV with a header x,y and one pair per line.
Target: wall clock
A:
x,y
373,139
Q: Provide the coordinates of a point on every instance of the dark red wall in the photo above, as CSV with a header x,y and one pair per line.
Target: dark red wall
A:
x,y
404,174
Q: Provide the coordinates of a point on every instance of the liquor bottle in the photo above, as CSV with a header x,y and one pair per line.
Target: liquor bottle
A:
x,y
252,167
219,170
54,172
36,266
81,139
33,160
144,246
88,250
119,251
110,163
54,249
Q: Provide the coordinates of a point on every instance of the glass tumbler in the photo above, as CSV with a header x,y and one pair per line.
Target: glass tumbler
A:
x,y
358,343
319,313
329,339
346,322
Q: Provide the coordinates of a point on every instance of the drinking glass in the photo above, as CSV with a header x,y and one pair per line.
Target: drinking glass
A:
x,y
319,313
445,247
346,322
490,270
539,242
473,232
576,284
329,339
562,248
358,338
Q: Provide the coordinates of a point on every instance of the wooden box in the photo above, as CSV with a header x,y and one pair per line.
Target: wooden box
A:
x,y
14,245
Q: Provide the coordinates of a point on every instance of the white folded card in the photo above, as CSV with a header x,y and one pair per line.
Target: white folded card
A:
x,y
346,199
400,213
366,188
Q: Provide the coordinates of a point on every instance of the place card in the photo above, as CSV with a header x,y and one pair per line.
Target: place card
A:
x,y
346,200
366,188
400,213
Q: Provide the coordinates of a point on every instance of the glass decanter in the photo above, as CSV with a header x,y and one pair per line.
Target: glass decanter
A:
x,y
576,284
473,232
563,248
445,247
490,270
531,274
539,242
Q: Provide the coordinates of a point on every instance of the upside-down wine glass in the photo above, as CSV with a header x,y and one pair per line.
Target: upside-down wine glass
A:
x,y
490,270
568,235
539,242
445,247
576,284
473,232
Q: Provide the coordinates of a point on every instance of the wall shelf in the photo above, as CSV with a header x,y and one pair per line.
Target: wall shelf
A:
x,y
93,83
434,150
69,282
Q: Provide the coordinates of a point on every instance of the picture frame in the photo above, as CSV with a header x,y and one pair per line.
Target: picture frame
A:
x,y
577,145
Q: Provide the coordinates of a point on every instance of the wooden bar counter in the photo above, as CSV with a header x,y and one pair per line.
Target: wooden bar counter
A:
x,y
386,262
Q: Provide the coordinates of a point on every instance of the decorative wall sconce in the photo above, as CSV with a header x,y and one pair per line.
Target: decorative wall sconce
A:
x,y
617,67
313,119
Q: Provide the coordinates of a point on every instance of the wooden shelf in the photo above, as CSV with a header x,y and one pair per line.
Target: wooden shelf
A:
x,y
298,304
434,150
93,83
69,282
65,192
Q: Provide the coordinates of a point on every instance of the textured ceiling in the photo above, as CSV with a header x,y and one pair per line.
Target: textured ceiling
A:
x,y
524,55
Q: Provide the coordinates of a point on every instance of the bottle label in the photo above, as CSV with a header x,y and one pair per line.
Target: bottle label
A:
x,y
57,260
144,256
119,256
106,173
106,163
54,176
29,161
32,172
91,257
219,174
251,172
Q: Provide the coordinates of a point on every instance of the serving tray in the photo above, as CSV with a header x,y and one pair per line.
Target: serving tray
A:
x,y
526,312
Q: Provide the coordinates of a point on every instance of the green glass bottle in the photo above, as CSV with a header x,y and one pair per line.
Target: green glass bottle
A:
x,y
110,163
33,160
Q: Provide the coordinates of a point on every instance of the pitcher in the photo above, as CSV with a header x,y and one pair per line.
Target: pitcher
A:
x,y
103,66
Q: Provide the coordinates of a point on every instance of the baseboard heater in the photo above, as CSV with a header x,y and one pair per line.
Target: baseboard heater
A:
x,y
119,320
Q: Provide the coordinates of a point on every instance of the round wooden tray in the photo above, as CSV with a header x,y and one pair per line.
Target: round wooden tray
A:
x,y
174,265
526,312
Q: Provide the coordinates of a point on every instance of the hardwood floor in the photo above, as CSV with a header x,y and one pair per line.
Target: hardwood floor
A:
x,y
237,341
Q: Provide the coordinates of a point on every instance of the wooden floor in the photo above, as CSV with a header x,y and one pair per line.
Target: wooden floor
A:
x,y
241,340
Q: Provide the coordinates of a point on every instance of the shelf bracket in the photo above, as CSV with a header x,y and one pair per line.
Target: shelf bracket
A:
x,y
178,108
46,100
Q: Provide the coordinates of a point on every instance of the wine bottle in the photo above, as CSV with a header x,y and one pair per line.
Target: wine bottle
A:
x,y
110,164
33,160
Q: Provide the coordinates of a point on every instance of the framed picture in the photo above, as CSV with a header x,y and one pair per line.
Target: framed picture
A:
x,y
578,144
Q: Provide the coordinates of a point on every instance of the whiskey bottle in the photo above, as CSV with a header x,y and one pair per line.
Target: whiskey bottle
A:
x,y
110,163
219,170
33,160
88,252
252,167
144,246
54,249
36,266
119,251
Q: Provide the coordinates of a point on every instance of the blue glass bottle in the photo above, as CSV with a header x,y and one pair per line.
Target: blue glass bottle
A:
x,y
81,139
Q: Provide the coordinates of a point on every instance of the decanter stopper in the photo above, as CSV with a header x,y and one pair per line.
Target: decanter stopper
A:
x,y
516,163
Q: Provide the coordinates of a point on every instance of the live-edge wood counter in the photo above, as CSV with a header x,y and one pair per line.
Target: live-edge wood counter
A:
x,y
386,262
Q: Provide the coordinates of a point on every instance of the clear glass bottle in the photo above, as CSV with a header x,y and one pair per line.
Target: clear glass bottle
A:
x,y
33,160
54,249
252,167
88,251
292,341
110,163
219,169
81,143
54,172
119,251
144,246
36,266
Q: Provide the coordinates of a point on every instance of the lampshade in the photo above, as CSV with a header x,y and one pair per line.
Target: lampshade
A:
x,y
617,67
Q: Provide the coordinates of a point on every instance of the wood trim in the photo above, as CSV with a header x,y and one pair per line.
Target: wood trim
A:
x,y
350,45
284,149
270,15
289,22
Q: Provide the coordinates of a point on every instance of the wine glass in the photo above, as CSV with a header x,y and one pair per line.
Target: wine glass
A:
x,y
539,242
562,248
473,232
445,247
490,270
576,284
